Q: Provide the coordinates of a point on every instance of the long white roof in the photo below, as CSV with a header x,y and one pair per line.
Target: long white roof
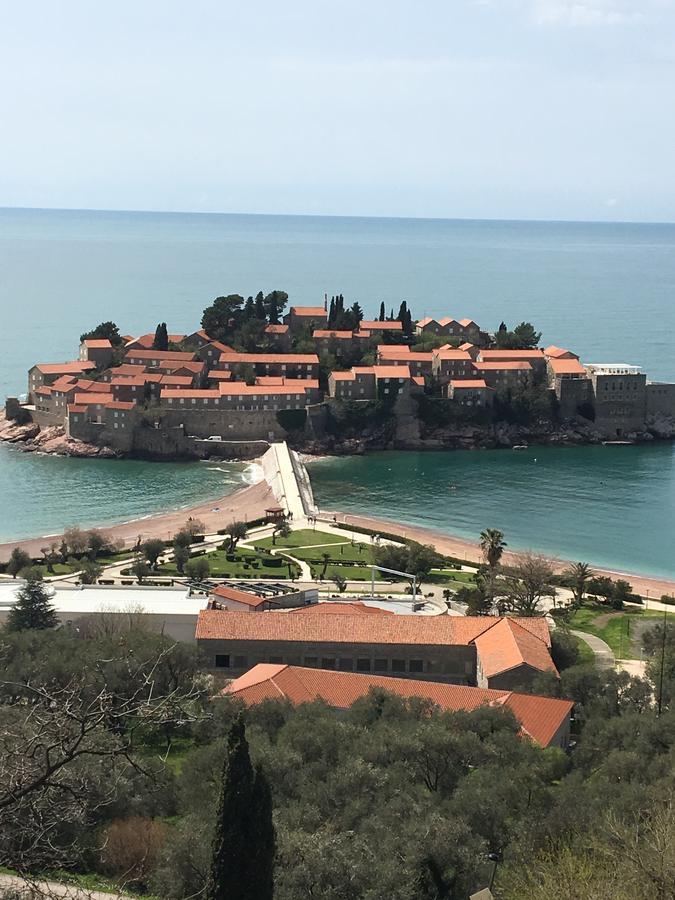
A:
x,y
93,599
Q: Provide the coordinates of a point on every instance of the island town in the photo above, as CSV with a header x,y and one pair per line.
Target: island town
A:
x,y
263,609
327,380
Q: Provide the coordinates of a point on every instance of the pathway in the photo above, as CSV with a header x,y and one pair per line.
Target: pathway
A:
x,y
29,890
604,655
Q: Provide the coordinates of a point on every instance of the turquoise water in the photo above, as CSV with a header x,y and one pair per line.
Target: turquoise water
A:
x,y
44,494
605,290
612,506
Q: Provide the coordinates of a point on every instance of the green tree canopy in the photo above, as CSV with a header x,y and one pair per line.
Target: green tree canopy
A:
x,y
106,330
33,608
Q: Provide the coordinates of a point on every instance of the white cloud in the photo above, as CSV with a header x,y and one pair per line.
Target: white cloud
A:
x,y
582,13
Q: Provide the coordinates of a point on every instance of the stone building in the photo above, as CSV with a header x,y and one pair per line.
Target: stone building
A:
x,y
619,397
439,648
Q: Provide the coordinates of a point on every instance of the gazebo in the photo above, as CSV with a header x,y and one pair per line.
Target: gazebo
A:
x,y
275,513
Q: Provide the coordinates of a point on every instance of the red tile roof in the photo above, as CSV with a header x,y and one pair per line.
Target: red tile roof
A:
x,y
89,399
427,320
391,372
166,355
505,365
559,353
540,717
509,644
190,393
98,343
467,322
66,368
470,384
74,408
398,349
369,325
291,386
411,355
308,311
338,335
119,404
228,593
276,329
436,630
343,376
452,353
274,358
566,366
491,355
447,320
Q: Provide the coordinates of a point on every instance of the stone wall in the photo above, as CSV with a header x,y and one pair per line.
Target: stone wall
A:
x,y
660,399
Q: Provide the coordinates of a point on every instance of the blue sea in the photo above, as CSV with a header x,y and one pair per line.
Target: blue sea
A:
x,y
604,290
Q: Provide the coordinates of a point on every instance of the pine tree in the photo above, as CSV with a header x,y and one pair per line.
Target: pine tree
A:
x,y
243,843
382,311
249,309
33,608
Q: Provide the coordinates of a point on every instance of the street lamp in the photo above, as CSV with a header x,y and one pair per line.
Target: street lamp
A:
x,y
496,858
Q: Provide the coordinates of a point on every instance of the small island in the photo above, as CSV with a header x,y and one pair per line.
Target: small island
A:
x,y
328,381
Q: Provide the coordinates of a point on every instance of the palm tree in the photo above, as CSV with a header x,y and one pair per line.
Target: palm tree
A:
x,y
492,544
577,577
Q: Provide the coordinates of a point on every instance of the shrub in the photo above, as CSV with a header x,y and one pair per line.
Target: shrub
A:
x,y
132,847
292,419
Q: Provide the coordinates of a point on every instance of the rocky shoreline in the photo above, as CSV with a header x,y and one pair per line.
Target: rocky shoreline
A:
x,y
30,438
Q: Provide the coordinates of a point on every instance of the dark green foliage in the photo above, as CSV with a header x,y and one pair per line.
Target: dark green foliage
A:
x,y
18,560
382,313
564,649
346,418
275,303
33,608
292,419
152,549
523,337
529,403
243,842
416,559
222,317
161,340
105,330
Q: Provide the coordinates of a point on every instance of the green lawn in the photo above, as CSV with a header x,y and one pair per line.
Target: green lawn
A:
x,y
351,573
621,631
359,553
246,564
304,537
450,577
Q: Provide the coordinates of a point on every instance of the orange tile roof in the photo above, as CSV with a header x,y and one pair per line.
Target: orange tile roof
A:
x,y
447,320
269,358
292,386
452,353
338,608
220,374
343,376
127,369
98,343
412,355
419,380
228,593
467,322
505,365
66,368
74,408
190,394
437,630
540,717
175,379
470,384
391,371
399,349
308,311
89,399
508,644
566,366
338,335
369,325
64,383
490,355
466,346
276,329
119,404
427,320
166,355
559,353
146,341
44,390
129,380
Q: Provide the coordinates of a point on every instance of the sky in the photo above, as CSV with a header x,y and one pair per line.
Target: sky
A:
x,y
517,109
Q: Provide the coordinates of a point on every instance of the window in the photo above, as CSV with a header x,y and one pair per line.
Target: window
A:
x,y
222,660
327,663
362,664
416,665
312,661
398,665
346,665
381,665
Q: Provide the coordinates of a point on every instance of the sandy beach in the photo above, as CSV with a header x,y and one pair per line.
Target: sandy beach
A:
x,y
647,586
247,503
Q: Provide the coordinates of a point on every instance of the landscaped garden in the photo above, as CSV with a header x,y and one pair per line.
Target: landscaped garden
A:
x,y
620,629
243,562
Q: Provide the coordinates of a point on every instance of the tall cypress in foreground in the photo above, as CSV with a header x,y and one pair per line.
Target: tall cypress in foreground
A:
x,y
242,863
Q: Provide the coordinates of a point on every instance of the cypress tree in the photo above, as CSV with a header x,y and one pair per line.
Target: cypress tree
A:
x,y
243,844
274,311
249,309
391,314
331,312
402,310
33,608
259,307
382,311
157,338
161,339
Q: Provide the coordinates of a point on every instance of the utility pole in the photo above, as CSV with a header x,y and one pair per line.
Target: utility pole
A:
x,y
663,662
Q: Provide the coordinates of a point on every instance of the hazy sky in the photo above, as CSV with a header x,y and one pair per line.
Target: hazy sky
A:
x,y
467,108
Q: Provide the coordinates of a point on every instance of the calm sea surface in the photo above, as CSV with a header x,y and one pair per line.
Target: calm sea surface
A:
x,y
607,291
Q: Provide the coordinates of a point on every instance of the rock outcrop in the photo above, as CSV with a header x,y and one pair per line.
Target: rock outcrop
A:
x,y
53,440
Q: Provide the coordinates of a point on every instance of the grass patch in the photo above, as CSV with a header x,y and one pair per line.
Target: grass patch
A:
x,y
359,553
351,573
246,564
303,537
450,577
619,631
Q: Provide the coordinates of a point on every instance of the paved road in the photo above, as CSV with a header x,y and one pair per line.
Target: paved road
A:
x,y
604,655
51,889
